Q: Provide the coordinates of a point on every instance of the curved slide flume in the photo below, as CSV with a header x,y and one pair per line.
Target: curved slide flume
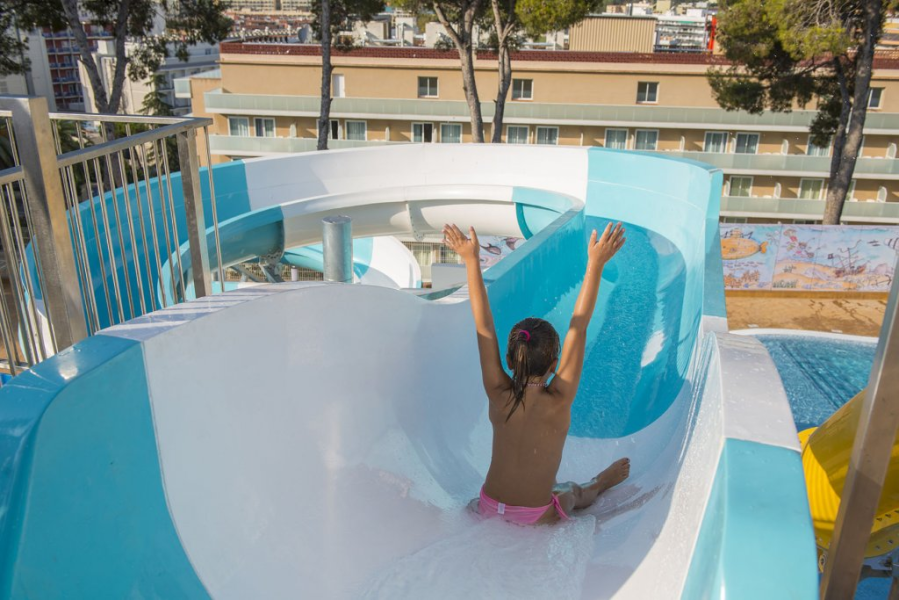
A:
x,y
208,450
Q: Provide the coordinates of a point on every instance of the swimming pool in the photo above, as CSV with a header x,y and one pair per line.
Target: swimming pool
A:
x,y
820,374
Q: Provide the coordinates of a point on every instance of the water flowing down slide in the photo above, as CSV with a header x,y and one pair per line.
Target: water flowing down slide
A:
x,y
310,440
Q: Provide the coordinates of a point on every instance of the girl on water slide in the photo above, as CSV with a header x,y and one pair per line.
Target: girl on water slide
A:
x,y
530,414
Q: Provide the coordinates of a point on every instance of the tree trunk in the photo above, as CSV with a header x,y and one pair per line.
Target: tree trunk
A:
x,y
504,81
324,118
864,59
463,40
470,87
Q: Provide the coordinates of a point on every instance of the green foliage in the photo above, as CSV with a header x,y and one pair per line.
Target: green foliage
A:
x,y
154,103
539,16
188,22
12,48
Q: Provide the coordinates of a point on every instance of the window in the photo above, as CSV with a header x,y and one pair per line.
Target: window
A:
x,y
715,141
740,186
814,150
450,133
427,87
734,220
850,193
647,92
265,127
875,97
647,139
804,222
356,130
616,138
811,189
548,135
338,85
422,132
239,126
517,134
522,89
335,129
747,143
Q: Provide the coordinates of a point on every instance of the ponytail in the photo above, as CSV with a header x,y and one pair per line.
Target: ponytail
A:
x,y
518,352
533,347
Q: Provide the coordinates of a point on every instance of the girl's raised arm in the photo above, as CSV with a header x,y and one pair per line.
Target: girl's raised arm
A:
x,y
495,377
599,252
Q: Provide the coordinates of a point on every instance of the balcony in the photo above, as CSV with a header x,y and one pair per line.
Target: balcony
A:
x,y
796,165
532,113
795,208
262,146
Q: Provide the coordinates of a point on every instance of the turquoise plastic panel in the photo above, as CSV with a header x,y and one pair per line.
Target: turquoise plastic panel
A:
x,y
535,209
756,539
85,515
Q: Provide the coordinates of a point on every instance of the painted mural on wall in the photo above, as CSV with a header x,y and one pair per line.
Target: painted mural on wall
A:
x,y
809,257
495,248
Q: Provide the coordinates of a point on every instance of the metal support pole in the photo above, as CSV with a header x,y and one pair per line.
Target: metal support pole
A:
x,y
337,248
193,208
46,203
868,464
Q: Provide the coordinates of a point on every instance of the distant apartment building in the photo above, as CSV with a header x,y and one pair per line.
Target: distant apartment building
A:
x,y
201,57
62,53
646,33
265,100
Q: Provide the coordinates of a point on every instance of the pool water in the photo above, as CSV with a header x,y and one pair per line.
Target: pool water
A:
x,y
819,376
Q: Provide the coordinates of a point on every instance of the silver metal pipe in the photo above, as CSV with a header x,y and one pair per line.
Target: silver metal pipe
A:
x,y
129,216
12,268
102,263
142,119
140,219
177,238
159,150
337,248
118,225
868,463
148,189
11,175
104,213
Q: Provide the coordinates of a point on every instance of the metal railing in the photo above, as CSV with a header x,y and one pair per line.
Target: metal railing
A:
x,y
532,112
94,211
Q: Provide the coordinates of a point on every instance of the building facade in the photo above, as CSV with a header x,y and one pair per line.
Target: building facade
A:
x,y
265,100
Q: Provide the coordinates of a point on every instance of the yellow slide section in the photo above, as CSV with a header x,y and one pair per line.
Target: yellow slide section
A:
x,y
825,459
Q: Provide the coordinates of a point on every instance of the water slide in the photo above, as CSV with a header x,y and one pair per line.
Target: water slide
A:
x,y
323,441
826,451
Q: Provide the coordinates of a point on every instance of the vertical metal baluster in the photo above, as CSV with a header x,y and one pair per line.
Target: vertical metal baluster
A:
x,y
118,224
140,218
104,213
38,267
29,282
129,216
215,220
152,219
93,210
12,266
12,347
157,148
168,179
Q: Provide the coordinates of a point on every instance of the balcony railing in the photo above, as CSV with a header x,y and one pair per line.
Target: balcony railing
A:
x,y
796,208
790,164
261,146
529,112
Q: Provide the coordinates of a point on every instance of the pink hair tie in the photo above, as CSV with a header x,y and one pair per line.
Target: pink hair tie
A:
x,y
527,335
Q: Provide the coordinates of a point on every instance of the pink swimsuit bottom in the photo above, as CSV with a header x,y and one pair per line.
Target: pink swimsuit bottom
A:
x,y
521,515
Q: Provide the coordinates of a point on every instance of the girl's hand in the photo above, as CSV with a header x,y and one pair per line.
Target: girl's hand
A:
x,y
600,252
467,248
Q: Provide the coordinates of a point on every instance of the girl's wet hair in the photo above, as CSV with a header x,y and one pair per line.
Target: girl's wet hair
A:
x,y
533,346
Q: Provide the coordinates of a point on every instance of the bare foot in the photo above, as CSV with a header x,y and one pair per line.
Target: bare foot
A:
x,y
617,472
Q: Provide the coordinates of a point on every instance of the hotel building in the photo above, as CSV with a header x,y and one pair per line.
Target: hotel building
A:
x,y
264,100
